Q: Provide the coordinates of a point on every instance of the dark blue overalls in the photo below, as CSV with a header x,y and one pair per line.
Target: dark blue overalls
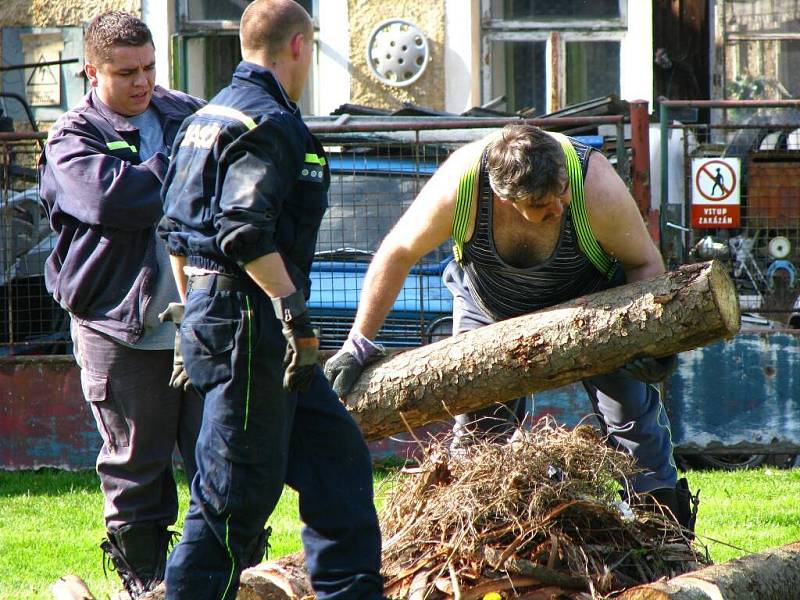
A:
x,y
248,179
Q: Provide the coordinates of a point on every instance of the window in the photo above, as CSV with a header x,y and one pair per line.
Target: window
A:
x,y
221,11
206,50
563,9
542,55
761,49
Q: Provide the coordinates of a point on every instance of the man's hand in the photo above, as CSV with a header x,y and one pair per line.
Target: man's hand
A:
x,y
179,379
302,349
344,368
652,370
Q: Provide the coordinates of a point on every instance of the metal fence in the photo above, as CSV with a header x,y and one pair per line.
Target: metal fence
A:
x,y
740,198
377,169
30,321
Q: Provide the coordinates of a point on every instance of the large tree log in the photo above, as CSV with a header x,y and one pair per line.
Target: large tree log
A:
x,y
771,574
690,307
680,310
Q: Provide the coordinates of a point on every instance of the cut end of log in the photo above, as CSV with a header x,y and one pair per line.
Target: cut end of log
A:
x,y
71,587
725,297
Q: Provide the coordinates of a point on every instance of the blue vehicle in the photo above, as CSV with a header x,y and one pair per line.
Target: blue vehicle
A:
x,y
368,194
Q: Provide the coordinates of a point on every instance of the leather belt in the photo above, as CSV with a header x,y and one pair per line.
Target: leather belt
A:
x,y
220,282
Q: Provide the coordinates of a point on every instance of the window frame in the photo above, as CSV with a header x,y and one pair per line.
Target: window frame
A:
x,y
555,34
186,24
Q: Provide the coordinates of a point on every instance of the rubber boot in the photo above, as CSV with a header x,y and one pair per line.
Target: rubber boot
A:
x,y
679,503
138,553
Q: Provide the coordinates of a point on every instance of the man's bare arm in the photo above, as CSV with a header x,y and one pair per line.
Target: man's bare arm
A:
x,y
177,263
270,274
617,223
425,225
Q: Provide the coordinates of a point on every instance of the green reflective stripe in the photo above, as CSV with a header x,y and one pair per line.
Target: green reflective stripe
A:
x,y
248,317
230,554
580,217
217,110
464,196
119,145
316,160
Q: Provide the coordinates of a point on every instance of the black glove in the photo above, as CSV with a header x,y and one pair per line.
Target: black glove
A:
x,y
343,370
652,370
302,350
179,379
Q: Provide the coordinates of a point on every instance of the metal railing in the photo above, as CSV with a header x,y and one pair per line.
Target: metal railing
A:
x,y
378,167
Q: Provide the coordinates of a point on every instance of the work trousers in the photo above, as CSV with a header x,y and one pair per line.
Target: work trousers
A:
x,y
255,437
140,419
629,411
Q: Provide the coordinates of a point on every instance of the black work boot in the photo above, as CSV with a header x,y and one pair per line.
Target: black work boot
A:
x,y
138,554
258,549
679,503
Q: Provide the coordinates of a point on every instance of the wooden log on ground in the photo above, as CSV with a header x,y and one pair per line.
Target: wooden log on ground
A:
x,y
774,573
680,310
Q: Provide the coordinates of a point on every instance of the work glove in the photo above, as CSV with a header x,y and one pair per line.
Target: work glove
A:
x,y
179,379
652,370
302,349
344,368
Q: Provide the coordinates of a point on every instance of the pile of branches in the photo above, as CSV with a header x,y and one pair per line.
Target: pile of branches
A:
x,y
536,517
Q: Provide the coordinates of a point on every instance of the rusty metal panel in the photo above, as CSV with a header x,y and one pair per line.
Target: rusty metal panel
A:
x,y
741,394
44,421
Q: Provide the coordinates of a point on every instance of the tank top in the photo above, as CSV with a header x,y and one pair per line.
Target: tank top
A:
x,y
504,291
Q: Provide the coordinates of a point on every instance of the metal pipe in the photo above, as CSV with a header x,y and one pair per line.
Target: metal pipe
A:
x,y
640,147
663,109
730,103
48,63
435,123
19,136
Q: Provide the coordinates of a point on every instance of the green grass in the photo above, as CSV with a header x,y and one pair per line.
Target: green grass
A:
x,y
50,523
749,510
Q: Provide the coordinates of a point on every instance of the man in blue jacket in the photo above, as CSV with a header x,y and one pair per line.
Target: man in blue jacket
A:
x,y
100,183
243,201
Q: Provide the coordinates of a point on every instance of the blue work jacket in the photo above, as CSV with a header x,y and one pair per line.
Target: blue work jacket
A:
x,y
104,203
247,179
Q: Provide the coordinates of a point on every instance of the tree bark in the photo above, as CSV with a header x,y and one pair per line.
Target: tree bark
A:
x,y
680,310
774,573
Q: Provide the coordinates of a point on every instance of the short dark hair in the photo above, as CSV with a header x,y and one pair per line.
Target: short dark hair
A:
x,y
525,162
110,29
268,25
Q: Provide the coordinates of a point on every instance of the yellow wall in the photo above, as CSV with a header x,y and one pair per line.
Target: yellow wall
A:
x,y
55,13
428,16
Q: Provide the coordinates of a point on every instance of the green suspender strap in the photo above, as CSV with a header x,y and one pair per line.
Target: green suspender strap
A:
x,y
464,196
580,218
586,240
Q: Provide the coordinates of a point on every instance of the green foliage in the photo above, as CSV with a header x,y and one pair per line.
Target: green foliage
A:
x,y
747,87
51,524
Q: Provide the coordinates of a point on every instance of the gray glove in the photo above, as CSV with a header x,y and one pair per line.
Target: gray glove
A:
x,y
652,370
179,379
302,349
344,368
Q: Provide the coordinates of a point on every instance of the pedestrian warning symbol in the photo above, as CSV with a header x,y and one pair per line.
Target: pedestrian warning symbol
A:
x,y
715,192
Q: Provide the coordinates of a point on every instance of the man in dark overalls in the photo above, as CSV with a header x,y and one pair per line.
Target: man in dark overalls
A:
x,y
243,201
537,219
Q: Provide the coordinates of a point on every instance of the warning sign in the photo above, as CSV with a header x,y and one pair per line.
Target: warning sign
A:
x,y
715,192
42,82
